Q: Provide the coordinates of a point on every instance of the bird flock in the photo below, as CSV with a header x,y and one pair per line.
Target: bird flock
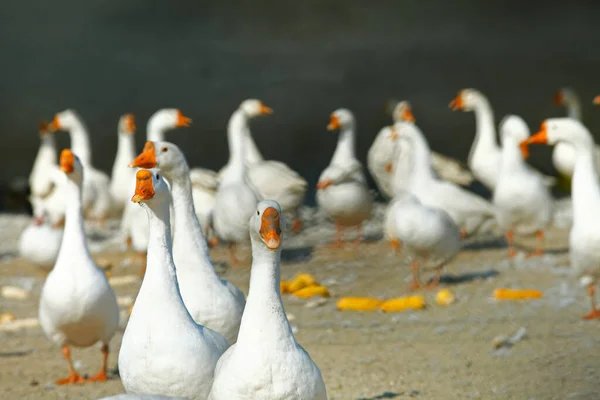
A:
x,y
193,335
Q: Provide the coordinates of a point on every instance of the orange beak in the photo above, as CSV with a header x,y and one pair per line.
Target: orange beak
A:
x,y
597,99
130,123
182,120
67,161
457,103
264,110
539,138
558,98
408,116
334,123
270,230
143,186
55,124
524,146
146,159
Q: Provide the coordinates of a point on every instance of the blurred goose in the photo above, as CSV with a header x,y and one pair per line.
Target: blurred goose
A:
x,y
39,242
236,196
273,179
212,302
164,352
266,362
584,239
523,203
97,201
427,236
470,212
122,175
563,155
204,193
77,305
342,190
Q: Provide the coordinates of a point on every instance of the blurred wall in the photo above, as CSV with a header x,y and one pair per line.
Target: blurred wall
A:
x,y
304,59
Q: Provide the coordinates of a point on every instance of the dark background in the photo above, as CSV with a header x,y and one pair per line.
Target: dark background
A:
x,y
303,58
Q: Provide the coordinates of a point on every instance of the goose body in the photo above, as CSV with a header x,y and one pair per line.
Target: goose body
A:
x,y
266,362
40,243
211,301
164,352
122,175
342,191
522,201
204,192
77,305
470,212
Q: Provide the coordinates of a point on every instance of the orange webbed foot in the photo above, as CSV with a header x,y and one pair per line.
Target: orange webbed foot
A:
x,y
99,377
593,315
511,253
535,253
414,285
70,380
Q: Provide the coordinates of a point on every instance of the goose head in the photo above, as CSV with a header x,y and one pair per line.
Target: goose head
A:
x,y
554,130
513,129
403,112
467,100
71,166
254,108
265,224
340,119
565,96
164,155
127,124
149,187
65,120
169,118
596,100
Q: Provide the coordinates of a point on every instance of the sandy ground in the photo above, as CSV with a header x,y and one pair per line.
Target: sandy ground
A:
x,y
435,353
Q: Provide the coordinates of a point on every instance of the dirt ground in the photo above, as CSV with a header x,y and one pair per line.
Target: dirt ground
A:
x,y
440,352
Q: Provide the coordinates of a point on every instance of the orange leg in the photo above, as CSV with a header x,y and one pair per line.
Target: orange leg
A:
x,y
416,280
128,242
73,377
101,375
297,226
213,242
595,312
539,250
396,245
510,240
463,234
338,235
358,236
435,282
234,259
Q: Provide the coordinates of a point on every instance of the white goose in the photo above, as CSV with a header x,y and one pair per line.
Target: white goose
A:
x,y
273,179
236,196
470,212
342,190
212,302
563,155
97,201
584,239
523,203
428,236
204,193
77,305
164,352
39,242
266,362
122,175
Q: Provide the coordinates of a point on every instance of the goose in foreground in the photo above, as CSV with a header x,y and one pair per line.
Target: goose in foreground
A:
x,y
470,212
97,201
266,362
122,175
211,301
522,202
342,190
584,238
427,236
273,179
164,352
236,196
77,305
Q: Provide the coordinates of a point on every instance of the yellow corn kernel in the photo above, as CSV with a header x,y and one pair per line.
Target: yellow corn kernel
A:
x,y
359,303
516,294
301,281
403,303
311,291
284,287
444,297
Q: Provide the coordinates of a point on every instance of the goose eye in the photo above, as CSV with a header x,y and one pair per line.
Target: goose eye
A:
x,y
257,212
164,149
157,176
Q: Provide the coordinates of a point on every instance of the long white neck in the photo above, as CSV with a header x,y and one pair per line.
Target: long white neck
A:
x,y
74,243
190,251
253,155
155,130
573,109
125,151
237,140
421,159
46,156
80,143
485,135
344,150
264,317
512,158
